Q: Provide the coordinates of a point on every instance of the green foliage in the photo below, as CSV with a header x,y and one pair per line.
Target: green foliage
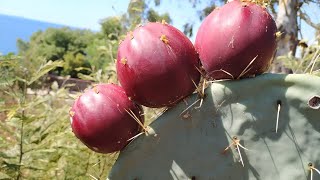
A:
x,y
50,65
102,52
112,27
36,141
308,62
63,44
153,16
135,12
83,52
139,12
206,11
74,61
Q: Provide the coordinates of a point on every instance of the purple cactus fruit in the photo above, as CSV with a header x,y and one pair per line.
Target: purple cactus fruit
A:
x,y
157,65
236,40
99,118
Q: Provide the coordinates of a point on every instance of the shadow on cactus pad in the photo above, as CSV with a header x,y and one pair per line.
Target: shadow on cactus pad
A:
x,y
259,128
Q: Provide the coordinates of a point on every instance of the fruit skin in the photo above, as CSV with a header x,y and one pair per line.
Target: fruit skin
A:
x,y
232,36
156,65
99,119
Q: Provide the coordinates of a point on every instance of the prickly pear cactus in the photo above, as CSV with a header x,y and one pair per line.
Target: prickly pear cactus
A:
x,y
234,135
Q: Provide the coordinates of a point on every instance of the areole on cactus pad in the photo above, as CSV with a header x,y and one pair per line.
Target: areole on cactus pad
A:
x,y
236,40
157,65
104,118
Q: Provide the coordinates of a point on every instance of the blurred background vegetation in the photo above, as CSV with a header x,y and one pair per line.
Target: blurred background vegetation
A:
x,y
40,82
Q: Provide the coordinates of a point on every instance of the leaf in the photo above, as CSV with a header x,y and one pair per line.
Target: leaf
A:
x,y
50,65
6,128
83,68
6,82
12,113
4,176
35,102
4,155
32,118
12,165
22,80
85,77
11,153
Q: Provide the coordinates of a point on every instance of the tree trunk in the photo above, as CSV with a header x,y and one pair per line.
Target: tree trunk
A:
x,y
287,24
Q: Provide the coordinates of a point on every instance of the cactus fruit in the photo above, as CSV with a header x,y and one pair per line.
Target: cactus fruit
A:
x,y
236,40
100,118
233,135
157,65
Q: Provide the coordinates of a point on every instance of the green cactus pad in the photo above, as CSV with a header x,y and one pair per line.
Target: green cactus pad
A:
x,y
192,145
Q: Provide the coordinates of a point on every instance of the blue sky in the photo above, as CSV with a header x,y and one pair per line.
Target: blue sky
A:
x,y
76,13
88,13
79,14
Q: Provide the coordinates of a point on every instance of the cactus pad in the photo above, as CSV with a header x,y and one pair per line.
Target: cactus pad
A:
x,y
194,144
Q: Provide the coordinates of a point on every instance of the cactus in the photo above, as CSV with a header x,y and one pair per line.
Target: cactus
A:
x,y
267,127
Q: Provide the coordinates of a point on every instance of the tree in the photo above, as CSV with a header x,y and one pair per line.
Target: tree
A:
x,y
112,27
286,20
138,12
289,18
57,44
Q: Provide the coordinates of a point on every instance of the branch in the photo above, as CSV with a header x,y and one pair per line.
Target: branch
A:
x,y
22,102
307,19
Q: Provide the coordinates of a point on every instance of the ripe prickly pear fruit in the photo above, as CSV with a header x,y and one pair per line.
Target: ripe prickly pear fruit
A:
x,y
157,65
100,118
236,40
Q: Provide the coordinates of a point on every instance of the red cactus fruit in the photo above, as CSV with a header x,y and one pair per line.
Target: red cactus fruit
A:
x,y
99,118
157,65
236,40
